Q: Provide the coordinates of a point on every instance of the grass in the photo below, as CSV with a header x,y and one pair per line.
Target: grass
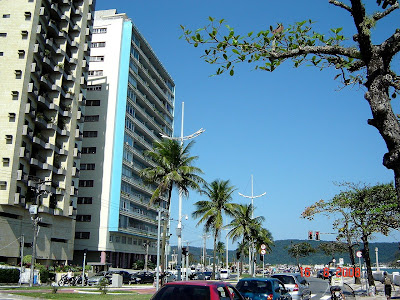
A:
x,y
110,295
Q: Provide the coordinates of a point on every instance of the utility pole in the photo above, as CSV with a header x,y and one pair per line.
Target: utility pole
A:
x,y
22,242
251,247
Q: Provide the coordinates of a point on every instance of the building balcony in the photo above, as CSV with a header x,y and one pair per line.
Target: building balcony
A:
x,y
27,131
21,175
78,135
19,199
77,153
47,103
74,191
137,216
75,172
29,110
24,153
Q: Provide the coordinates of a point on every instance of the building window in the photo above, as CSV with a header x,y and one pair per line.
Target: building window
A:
x,y
83,218
82,235
94,58
88,166
6,16
27,15
6,161
89,134
3,185
95,73
24,34
86,183
85,200
9,138
3,34
98,45
96,87
92,102
88,150
99,30
94,118
1,53
11,117
18,74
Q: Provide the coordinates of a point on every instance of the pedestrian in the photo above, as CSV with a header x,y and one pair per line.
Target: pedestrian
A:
x,y
388,285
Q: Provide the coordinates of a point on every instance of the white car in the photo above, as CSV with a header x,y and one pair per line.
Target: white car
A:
x,y
224,274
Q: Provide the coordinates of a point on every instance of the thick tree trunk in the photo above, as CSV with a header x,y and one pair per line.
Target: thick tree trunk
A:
x,y
164,235
384,119
214,254
367,260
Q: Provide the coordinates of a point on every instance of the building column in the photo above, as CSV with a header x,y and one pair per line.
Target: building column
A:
x,y
103,257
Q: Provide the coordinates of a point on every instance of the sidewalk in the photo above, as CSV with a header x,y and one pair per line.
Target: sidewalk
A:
x,y
380,294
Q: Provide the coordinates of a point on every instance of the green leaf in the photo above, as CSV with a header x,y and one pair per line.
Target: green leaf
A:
x,y
231,72
211,19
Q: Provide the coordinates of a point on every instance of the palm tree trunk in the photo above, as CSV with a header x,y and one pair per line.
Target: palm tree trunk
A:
x,y
164,236
215,254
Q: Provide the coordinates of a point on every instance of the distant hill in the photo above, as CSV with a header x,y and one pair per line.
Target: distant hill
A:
x,y
388,252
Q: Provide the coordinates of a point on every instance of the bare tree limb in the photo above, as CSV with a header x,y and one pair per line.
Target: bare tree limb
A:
x,y
340,4
378,16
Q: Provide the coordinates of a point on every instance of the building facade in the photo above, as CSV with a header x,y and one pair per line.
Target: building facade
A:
x,y
44,47
130,102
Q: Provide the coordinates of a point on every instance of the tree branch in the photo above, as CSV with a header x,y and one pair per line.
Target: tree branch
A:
x,y
340,4
378,16
391,46
327,50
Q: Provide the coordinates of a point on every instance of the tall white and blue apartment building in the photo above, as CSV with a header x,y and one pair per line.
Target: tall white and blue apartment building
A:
x,y
130,102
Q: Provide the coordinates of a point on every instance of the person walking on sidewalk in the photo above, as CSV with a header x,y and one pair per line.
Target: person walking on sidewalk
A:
x,y
388,285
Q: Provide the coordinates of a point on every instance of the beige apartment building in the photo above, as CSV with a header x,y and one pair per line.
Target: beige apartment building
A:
x,y
44,51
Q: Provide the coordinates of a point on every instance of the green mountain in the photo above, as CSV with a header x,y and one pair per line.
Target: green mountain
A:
x,y
388,252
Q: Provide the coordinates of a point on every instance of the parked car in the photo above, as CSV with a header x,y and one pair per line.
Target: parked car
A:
x,y
126,276
208,275
295,284
263,289
224,274
96,278
142,277
197,276
197,290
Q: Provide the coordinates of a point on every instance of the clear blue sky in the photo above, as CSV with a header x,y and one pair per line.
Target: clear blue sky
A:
x,y
295,130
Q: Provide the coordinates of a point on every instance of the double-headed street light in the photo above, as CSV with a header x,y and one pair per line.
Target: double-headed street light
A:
x,y
179,227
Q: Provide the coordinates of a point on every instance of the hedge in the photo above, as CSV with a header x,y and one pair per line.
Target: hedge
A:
x,y
9,275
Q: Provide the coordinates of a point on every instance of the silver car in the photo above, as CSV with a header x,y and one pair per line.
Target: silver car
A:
x,y
295,284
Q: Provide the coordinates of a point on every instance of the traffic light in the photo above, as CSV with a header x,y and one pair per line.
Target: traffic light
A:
x,y
317,236
261,257
184,251
310,235
363,253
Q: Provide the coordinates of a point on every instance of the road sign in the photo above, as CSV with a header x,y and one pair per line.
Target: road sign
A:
x,y
178,267
263,247
359,254
263,251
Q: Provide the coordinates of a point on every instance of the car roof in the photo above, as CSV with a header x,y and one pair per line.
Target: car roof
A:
x,y
287,274
259,279
199,283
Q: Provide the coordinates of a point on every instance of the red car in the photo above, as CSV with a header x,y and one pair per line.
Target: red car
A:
x,y
197,290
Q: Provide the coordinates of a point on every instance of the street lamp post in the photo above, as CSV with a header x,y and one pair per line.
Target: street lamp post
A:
x,y
251,248
158,250
33,210
179,227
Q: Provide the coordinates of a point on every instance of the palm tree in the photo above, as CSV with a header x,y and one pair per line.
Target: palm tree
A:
x,y
221,251
219,193
244,225
173,169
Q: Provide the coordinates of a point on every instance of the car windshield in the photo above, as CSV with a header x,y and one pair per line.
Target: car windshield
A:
x,y
208,273
254,286
285,279
99,274
183,292
224,272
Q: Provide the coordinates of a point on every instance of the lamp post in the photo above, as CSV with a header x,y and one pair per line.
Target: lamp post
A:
x,y
158,250
179,227
33,210
251,248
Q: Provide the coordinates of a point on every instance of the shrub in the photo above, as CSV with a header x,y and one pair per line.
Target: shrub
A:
x,y
9,275
103,286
